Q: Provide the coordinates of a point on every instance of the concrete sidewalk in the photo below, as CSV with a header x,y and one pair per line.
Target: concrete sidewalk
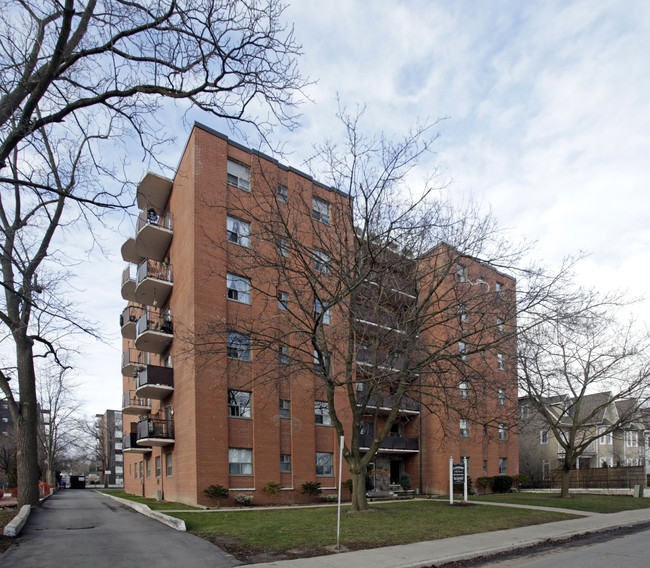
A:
x,y
439,552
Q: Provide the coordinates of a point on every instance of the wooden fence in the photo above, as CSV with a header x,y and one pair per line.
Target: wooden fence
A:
x,y
601,478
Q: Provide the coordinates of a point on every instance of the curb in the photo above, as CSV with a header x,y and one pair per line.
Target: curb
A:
x,y
13,528
173,522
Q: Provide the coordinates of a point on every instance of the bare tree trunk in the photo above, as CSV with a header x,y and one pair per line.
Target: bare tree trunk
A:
x,y
566,475
358,497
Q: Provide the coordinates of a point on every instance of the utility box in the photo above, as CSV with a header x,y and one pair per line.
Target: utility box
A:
x,y
638,491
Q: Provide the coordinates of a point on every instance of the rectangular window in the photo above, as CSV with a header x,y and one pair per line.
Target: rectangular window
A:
x,y
543,436
285,463
284,356
631,438
485,463
238,346
168,464
240,461
283,193
320,210
484,429
605,439
501,362
239,288
464,389
500,327
501,397
318,368
321,261
285,408
239,404
322,412
239,175
283,300
503,466
326,318
502,432
461,273
462,313
324,464
367,427
238,231
157,466
546,469
525,411
148,468
464,428
283,247
499,289
462,349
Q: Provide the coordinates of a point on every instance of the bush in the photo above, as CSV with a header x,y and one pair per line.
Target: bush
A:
x,y
273,489
311,488
370,484
502,483
484,483
216,492
522,481
333,498
405,481
242,499
347,485
460,487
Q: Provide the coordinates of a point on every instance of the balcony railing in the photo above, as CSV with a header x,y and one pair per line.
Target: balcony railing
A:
x,y
154,381
385,402
130,445
129,275
154,331
394,443
156,432
128,319
132,361
154,234
383,319
133,404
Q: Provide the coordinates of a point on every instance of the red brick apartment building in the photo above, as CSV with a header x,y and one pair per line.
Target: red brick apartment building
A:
x,y
203,404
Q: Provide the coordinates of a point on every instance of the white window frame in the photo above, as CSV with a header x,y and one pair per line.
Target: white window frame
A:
x,y
501,396
283,247
283,300
322,413
283,193
500,325
169,465
501,362
238,288
238,232
461,272
238,346
240,461
285,463
462,349
503,466
524,411
503,435
463,389
464,428
631,439
285,408
324,464
239,175
326,318
462,313
320,210
605,439
546,469
543,437
284,354
239,403
321,261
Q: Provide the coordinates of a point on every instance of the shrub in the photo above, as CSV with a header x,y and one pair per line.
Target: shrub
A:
x,y
216,492
272,488
502,483
347,485
484,483
242,499
333,498
311,488
405,481
370,484
522,481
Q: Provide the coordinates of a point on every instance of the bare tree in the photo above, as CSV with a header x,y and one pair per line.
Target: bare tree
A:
x,y
577,361
81,81
380,286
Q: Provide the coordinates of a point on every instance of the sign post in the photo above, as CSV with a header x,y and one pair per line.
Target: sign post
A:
x,y
451,480
465,481
338,517
457,476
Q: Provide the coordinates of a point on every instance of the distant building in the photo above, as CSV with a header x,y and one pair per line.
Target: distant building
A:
x,y
110,460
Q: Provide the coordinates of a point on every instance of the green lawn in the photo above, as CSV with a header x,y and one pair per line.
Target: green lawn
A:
x,y
153,504
5,516
259,534
581,502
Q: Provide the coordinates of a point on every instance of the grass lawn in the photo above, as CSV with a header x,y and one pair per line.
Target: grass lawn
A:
x,y
153,504
582,502
264,535
5,516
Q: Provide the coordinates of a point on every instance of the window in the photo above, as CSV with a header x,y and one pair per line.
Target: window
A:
x,y
503,466
462,349
320,210
461,273
283,247
326,318
283,300
546,469
464,389
284,357
322,413
239,404
499,289
525,411
484,467
321,261
148,468
502,431
239,288
543,436
500,327
605,439
631,438
285,408
324,464
318,368
464,428
157,466
501,397
367,428
168,464
285,463
238,231
283,193
240,461
501,362
462,313
238,346
239,175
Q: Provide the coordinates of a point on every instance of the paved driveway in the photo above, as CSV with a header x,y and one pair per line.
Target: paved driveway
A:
x,y
79,528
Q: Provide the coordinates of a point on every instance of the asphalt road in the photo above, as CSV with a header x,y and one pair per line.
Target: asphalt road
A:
x,y
81,528
624,548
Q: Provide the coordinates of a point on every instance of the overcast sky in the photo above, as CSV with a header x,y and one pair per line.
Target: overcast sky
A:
x,y
547,123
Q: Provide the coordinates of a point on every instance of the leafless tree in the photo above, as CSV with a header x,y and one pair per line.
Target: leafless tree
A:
x,y
574,350
368,273
81,82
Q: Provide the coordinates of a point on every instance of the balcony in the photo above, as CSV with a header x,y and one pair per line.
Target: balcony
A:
x,y
154,191
130,445
155,432
154,382
153,283
153,235
375,321
397,444
132,404
384,403
128,319
132,361
129,253
154,331
129,275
